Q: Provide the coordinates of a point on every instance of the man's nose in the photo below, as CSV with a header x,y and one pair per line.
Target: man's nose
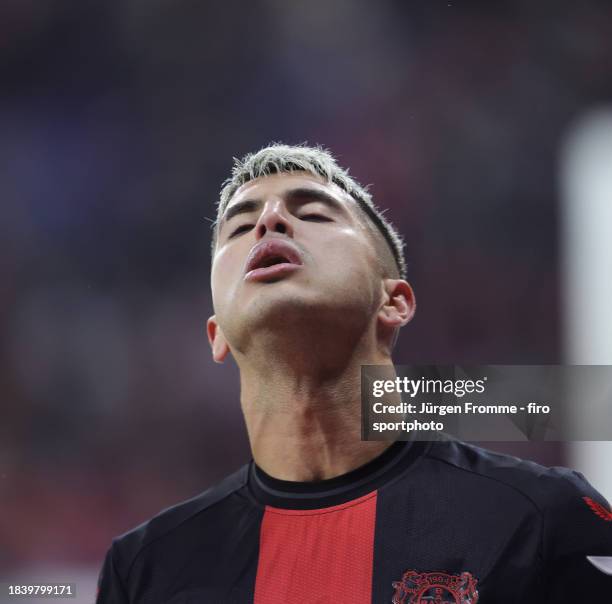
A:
x,y
273,219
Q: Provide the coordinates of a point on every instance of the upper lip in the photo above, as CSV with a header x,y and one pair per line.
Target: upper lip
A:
x,y
265,251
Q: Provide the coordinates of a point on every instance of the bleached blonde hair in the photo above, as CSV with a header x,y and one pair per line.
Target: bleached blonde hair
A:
x,y
278,158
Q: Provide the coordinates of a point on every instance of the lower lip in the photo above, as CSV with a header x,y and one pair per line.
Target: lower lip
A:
x,y
271,272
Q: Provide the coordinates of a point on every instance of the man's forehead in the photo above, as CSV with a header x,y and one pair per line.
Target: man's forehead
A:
x,y
277,184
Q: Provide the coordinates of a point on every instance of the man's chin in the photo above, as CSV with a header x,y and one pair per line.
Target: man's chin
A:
x,y
282,307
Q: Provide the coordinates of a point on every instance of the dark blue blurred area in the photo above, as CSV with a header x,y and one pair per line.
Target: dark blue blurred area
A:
x,y
118,123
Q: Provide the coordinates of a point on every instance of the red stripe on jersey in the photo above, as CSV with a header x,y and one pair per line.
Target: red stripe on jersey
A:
x,y
317,556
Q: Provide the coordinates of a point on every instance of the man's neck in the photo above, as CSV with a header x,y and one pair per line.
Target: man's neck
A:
x,y
306,426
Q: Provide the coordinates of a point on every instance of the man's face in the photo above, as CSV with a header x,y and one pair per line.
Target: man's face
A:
x,y
292,249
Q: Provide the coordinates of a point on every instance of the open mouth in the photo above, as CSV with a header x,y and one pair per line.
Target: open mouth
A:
x,y
271,261
271,257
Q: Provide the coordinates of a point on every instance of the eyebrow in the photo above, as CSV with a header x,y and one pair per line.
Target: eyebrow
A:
x,y
248,205
311,194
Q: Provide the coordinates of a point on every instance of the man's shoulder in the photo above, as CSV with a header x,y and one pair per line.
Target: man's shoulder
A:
x,y
129,545
544,487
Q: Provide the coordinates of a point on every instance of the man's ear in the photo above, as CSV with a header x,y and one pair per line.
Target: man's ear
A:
x,y
217,340
398,305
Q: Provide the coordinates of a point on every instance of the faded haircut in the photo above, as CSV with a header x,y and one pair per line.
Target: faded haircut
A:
x,y
278,158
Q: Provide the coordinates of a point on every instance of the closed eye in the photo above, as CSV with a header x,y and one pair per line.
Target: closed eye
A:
x,y
315,218
243,228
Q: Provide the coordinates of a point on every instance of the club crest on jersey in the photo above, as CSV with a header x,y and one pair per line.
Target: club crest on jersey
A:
x,y
435,588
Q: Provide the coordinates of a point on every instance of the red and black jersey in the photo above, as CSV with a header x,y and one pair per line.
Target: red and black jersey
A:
x,y
425,522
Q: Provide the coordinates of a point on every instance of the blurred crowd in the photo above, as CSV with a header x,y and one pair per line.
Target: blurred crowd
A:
x,y
118,123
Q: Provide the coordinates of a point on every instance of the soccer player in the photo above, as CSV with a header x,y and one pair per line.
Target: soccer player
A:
x,y
308,284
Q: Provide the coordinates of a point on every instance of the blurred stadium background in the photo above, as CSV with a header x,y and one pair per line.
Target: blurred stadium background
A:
x,y
118,122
